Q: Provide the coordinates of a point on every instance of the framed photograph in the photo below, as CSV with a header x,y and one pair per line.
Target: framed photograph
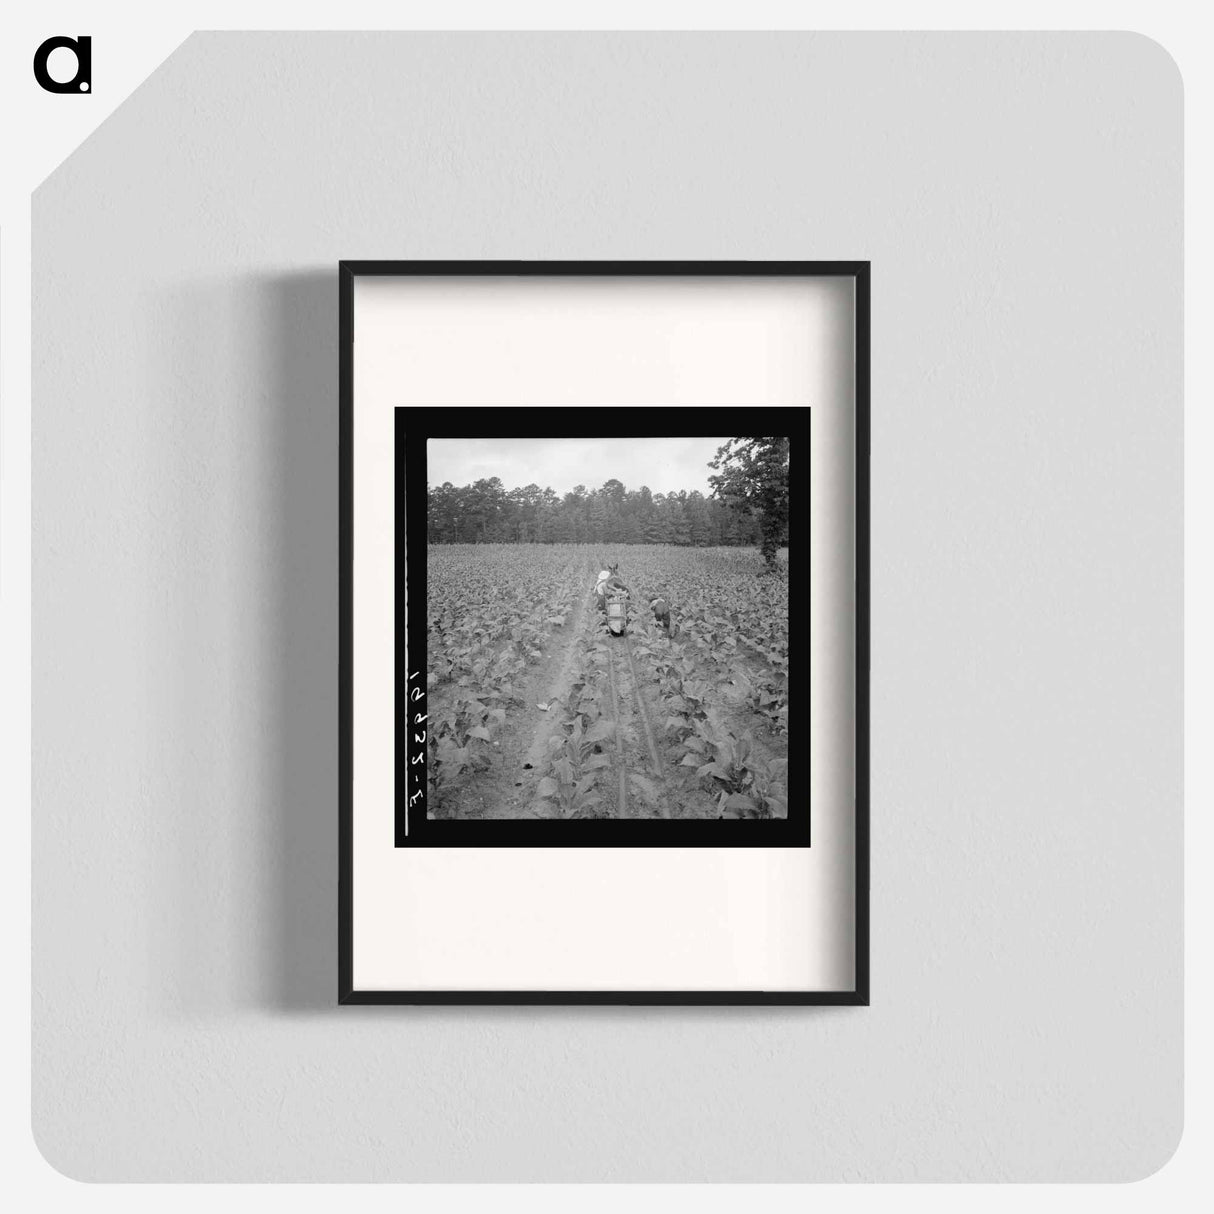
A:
x,y
604,632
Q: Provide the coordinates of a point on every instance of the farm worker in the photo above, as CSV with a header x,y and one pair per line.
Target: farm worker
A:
x,y
608,579
661,611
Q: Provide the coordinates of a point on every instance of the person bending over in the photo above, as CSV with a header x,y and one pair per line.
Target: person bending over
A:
x,y
661,611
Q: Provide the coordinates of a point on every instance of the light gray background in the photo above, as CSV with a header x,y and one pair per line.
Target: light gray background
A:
x,y
1020,199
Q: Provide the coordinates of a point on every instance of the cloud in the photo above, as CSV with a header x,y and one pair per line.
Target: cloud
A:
x,y
664,464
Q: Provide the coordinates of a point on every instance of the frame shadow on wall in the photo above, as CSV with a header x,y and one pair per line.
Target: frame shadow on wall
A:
x,y
297,430
300,940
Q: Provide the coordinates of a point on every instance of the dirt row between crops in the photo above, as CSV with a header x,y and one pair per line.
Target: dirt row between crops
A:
x,y
508,790
501,791
658,785
644,781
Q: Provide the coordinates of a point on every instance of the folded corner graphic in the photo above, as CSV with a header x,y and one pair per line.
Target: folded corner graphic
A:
x,y
65,84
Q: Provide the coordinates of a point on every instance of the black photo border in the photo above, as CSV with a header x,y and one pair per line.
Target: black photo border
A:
x,y
411,826
348,271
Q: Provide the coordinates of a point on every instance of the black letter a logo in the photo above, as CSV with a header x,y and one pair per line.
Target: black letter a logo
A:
x,y
82,48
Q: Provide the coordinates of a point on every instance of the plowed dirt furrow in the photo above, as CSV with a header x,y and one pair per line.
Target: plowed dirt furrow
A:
x,y
621,763
642,712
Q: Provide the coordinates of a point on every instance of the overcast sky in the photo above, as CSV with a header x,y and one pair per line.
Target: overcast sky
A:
x,y
663,464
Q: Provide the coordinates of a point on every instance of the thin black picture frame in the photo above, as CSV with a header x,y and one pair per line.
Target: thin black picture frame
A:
x,y
348,273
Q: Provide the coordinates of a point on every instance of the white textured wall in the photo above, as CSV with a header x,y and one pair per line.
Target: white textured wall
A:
x,y
1019,197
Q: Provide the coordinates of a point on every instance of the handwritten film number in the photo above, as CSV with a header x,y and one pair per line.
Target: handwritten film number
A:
x,y
416,694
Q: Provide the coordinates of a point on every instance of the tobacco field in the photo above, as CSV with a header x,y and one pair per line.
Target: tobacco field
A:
x,y
536,711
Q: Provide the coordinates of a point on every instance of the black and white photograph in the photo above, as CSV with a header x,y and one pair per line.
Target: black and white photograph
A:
x,y
607,627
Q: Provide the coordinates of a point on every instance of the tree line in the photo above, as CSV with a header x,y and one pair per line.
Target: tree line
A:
x,y
485,512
